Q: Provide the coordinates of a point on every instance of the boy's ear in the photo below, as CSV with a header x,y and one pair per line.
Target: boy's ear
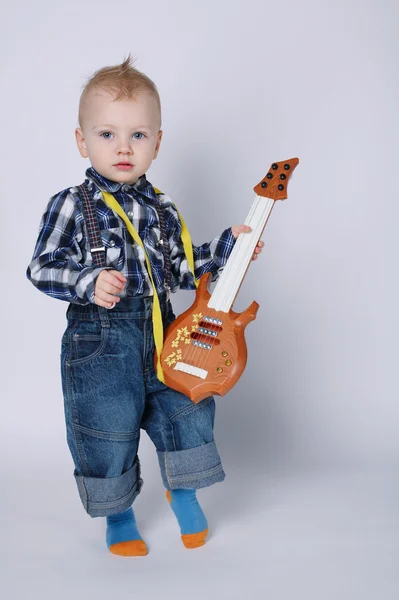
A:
x,y
158,144
80,140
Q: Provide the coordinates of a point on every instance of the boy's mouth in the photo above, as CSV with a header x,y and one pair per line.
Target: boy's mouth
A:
x,y
124,165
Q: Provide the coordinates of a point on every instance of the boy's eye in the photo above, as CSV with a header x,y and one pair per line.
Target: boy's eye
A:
x,y
106,135
138,135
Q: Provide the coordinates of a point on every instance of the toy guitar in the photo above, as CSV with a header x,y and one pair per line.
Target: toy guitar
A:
x,y
204,351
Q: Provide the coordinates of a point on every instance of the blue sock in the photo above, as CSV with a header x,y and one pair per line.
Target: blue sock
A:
x,y
188,511
122,528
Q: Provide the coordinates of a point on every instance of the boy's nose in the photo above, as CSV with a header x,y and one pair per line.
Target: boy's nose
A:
x,y
125,148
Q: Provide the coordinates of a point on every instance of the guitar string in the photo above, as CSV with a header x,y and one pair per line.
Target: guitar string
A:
x,y
230,292
205,355
223,314
257,220
200,357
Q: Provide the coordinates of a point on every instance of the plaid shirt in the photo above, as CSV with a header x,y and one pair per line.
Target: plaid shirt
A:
x,y
62,265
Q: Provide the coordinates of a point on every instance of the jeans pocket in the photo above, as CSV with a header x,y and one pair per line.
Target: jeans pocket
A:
x,y
88,340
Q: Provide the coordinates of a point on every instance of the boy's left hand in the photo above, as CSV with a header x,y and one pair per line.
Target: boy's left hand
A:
x,y
237,229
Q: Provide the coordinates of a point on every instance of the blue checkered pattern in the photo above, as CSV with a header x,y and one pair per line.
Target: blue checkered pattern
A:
x,y
62,264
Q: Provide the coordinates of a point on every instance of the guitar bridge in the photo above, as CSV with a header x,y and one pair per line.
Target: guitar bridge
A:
x,y
191,370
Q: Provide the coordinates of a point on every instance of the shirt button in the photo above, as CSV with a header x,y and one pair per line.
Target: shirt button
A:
x,y
112,243
125,188
130,214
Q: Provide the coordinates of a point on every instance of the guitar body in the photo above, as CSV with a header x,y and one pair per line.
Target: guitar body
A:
x,y
224,356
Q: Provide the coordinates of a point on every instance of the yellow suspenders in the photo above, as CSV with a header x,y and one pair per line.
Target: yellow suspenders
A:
x,y
188,249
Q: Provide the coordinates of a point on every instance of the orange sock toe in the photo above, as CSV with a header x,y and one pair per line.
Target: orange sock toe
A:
x,y
194,540
131,548
190,540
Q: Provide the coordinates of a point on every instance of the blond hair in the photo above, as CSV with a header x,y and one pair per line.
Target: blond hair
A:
x,y
124,81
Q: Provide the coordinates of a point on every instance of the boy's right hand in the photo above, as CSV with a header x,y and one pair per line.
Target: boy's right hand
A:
x,y
108,284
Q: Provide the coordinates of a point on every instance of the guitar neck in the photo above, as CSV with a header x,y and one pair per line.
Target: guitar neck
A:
x,y
231,278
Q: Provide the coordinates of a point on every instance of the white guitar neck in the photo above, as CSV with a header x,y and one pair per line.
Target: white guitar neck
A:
x,y
236,267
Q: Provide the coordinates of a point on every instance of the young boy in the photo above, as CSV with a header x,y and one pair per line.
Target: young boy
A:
x,y
110,386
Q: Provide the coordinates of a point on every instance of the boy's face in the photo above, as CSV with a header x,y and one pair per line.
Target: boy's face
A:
x,y
121,138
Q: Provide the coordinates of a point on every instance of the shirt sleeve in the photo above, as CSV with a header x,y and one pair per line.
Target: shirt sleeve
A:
x,y
61,267
208,258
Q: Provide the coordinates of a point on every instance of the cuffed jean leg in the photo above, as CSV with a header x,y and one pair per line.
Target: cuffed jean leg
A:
x,y
182,433
102,497
193,468
104,398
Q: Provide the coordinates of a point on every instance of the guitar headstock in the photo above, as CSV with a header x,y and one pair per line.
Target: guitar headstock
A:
x,y
274,184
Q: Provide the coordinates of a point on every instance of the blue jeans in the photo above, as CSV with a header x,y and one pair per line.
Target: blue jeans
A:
x,y
111,391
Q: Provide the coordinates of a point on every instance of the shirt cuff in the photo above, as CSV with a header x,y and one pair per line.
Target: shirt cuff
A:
x,y
224,247
86,283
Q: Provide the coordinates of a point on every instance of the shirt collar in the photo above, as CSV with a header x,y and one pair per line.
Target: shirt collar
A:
x,y
142,186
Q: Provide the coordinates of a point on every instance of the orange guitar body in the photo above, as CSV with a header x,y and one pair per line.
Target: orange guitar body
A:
x,y
225,353
204,351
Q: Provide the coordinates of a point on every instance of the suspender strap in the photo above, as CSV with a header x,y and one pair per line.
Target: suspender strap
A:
x,y
188,246
165,246
93,228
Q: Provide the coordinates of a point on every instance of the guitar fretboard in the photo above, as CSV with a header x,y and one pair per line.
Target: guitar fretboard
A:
x,y
236,267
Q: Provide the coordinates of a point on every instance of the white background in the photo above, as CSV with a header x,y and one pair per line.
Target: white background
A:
x,y
309,436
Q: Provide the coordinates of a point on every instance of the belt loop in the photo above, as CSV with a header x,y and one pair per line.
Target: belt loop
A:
x,y
104,318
